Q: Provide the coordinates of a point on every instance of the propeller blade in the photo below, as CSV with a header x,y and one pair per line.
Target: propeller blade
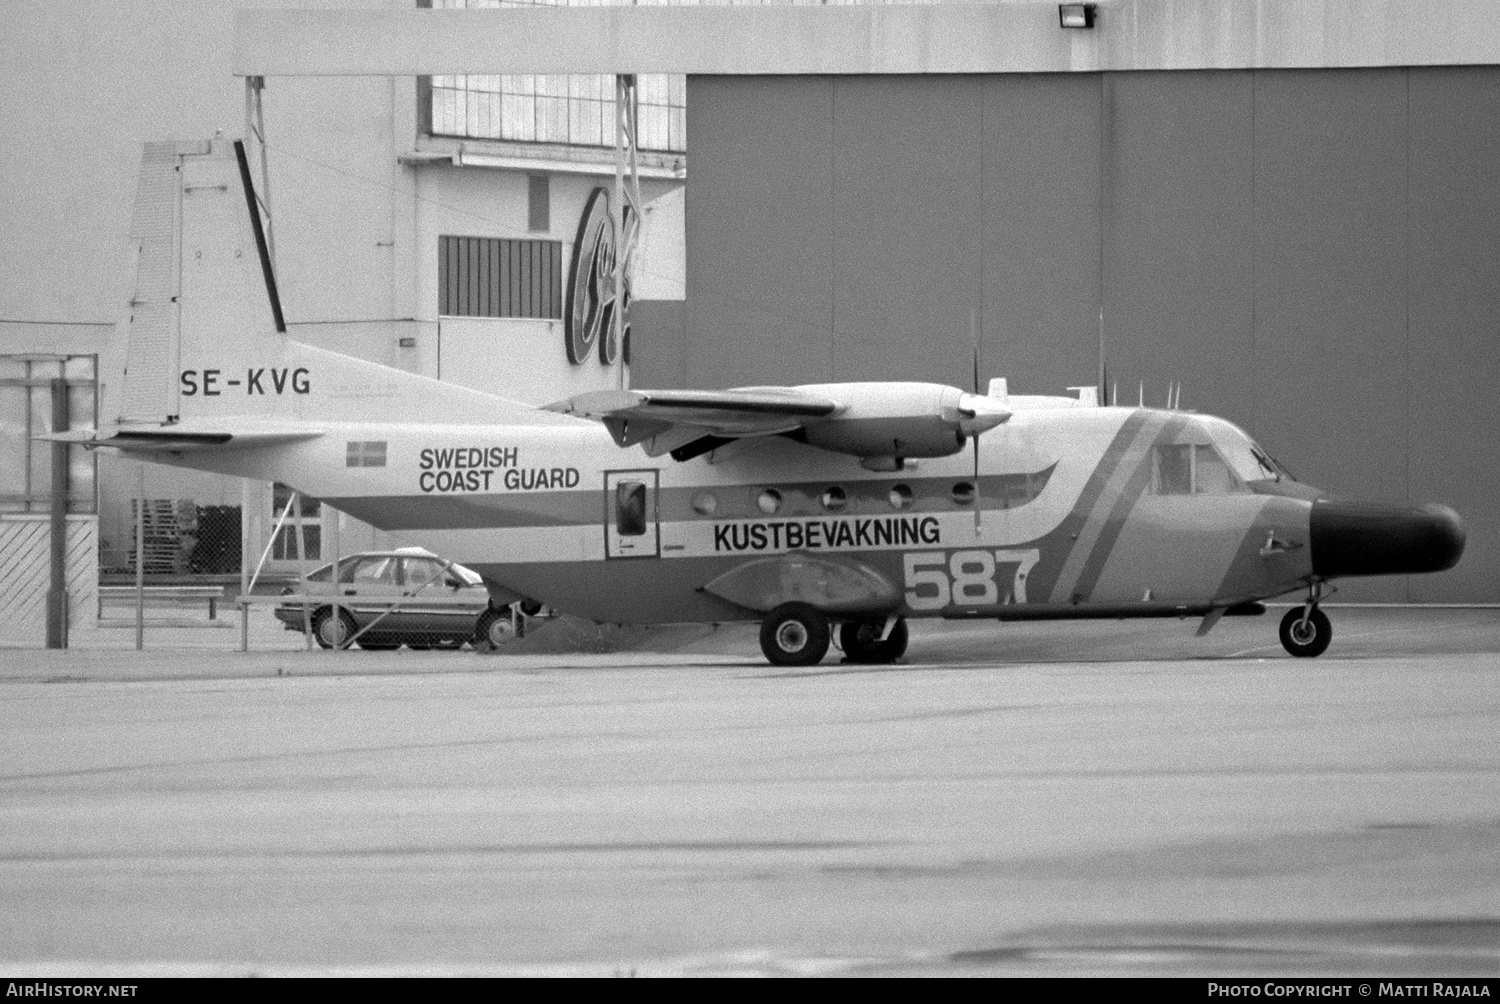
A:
x,y
976,414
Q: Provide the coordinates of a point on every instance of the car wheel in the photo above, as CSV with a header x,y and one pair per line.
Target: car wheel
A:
x,y
333,632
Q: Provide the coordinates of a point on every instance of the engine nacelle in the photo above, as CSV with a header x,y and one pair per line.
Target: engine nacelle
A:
x,y
900,420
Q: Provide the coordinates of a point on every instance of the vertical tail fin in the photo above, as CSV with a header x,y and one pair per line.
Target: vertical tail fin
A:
x,y
203,341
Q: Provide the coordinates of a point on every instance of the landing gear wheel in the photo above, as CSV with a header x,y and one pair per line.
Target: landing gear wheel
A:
x,y
862,643
333,633
794,634
494,630
1306,637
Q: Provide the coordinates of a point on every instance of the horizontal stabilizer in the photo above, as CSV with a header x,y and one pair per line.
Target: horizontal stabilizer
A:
x,y
178,438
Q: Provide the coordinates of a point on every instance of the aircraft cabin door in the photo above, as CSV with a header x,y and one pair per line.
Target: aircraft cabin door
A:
x,y
631,529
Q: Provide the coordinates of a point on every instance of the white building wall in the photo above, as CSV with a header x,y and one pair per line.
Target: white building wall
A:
x,y
356,230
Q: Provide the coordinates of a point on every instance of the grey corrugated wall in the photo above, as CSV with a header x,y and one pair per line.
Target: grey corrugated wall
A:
x,y
1313,254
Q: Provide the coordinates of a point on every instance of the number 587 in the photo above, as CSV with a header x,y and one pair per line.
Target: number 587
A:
x,y
936,579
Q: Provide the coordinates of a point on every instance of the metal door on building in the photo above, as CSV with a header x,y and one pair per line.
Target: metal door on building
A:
x,y
631,529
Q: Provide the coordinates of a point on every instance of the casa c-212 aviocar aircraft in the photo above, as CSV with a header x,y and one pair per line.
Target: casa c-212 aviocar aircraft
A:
x,y
841,508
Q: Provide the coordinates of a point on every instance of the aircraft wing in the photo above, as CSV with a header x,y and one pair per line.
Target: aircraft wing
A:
x,y
877,422
667,420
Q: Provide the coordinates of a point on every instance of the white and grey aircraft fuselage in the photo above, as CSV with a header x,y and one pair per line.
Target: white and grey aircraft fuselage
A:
x,y
847,506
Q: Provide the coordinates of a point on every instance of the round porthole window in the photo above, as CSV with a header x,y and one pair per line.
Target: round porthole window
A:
x,y
900,497
834,499
963,493
769,501
706,503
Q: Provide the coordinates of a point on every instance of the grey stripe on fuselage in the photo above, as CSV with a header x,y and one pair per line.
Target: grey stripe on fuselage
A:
x,y
581,506
1134,473
1097,501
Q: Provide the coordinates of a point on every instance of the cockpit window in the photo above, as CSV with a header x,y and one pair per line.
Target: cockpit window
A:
x,y
1211,475
1273,467
1172,470
1245,458
1188,469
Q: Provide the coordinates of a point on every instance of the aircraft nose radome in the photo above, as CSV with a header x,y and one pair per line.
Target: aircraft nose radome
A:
x,y
1365,538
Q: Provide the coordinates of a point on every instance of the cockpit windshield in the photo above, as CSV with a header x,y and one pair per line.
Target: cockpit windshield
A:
x,y
1249,461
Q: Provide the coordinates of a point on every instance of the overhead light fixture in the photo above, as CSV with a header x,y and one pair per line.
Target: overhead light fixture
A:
x,y
1076,15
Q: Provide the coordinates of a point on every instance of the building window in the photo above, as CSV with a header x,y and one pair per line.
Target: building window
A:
x,y
575,109
538,203
301,535
496,277
26,389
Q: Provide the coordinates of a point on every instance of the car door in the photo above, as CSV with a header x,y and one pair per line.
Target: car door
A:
x,y
371,588
438,600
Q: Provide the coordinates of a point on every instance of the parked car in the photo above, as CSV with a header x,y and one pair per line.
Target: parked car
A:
x,y
390,598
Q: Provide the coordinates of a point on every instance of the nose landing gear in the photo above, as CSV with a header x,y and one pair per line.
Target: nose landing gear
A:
x,y
1306,630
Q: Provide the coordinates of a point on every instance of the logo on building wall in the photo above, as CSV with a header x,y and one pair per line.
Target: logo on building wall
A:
x,y
592,299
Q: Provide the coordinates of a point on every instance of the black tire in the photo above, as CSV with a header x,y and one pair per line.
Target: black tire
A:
x,y
1309,640
331,633
794,634
494,630
862,643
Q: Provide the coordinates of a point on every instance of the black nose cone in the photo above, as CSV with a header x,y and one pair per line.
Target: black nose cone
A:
x,y
1367,538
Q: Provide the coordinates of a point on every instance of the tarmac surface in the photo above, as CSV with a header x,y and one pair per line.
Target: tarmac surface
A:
x,y
1020,799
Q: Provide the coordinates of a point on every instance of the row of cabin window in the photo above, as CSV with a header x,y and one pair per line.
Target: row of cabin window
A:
x,y
1185,469
630,502
834,499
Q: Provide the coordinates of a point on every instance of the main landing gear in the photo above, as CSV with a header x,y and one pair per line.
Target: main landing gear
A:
x,y
796,634
862,643
1306,630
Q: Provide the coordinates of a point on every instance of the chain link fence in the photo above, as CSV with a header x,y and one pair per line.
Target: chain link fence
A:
x,y
281,571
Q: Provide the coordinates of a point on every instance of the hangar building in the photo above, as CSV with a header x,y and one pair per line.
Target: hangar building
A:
x,y
1287,207
1313,254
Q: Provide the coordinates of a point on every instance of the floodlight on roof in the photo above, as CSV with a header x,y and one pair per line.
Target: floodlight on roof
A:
x,y
1076,15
